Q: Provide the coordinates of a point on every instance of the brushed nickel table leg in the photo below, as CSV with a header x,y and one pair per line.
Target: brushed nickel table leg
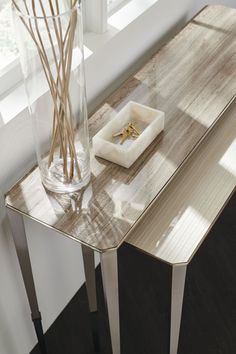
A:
x,y
177,295
20,241
89,270
109,267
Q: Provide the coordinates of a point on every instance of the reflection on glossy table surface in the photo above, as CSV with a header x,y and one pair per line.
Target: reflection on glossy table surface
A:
x,y
192,79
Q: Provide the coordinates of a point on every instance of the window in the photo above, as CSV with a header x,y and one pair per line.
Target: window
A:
x,y
10,73
114,4
8,49
96,22
99,16
97,13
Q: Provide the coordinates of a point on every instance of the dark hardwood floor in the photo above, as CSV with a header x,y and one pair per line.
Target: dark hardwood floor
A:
x,y
209,313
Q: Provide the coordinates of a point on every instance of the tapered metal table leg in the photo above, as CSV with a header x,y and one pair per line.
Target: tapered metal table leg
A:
x,y
89,269
177,295
20,241
109,267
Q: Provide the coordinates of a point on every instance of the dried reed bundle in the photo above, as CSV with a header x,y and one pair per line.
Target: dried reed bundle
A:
x,y
63,133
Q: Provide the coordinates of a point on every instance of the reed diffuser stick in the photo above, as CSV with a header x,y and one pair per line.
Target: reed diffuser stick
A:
x,y
57,76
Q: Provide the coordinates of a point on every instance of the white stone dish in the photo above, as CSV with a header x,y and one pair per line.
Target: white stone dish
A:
x,y
148,120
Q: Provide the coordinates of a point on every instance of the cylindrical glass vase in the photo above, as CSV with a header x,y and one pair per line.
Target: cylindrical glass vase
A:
x,y
50,38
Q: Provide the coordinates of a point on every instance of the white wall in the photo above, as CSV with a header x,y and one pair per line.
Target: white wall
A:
x,y
57,262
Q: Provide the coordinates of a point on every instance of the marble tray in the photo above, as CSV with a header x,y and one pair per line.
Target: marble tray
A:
x,y
150,123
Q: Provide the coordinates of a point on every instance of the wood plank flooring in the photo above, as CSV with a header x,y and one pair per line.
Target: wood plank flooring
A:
x,y
209,313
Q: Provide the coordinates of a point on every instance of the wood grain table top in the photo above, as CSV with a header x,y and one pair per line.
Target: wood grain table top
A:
x,y
193,80
179,221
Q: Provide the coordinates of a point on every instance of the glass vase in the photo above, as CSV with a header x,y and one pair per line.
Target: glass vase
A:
x,y
50,39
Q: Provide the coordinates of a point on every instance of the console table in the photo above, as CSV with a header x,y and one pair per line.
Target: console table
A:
x,y
193,80
180,220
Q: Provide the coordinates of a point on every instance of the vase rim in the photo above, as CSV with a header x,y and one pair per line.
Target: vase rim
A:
x,y
20,13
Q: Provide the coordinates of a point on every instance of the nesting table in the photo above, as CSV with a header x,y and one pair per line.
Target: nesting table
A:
x,y
180,220
193,80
